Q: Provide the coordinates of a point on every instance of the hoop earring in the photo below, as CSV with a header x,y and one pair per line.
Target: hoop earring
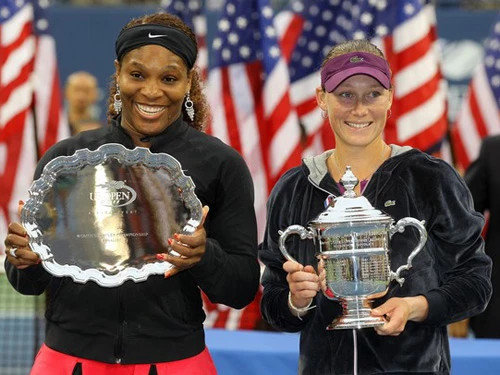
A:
x,y
389,113
117,104
188,104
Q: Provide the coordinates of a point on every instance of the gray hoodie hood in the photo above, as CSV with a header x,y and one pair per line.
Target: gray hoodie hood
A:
x,y
317,164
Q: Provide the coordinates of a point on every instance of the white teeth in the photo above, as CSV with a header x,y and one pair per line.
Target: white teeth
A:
x,y
358,126
149,109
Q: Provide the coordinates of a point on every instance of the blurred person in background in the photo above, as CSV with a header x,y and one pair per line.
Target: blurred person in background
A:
x,y
155,326
81,93
483,179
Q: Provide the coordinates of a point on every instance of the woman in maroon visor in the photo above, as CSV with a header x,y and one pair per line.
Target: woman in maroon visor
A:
x,y
450,277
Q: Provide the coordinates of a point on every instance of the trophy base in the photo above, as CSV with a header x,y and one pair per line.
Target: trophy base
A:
x,y
357,314
347,322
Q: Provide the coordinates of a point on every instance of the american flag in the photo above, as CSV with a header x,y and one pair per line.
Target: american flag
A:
x,y
405,31
248,90
249,93
479,115
31,117
192,13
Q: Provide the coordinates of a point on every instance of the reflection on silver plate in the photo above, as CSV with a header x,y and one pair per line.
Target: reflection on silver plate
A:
x,y
103,215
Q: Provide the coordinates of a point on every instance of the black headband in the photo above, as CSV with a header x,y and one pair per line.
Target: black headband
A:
x,y
174,40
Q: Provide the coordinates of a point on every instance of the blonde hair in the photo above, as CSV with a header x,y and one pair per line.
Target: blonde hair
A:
x,y
358,45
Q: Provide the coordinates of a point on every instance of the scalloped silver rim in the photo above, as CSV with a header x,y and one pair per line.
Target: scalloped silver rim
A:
x,y
86,157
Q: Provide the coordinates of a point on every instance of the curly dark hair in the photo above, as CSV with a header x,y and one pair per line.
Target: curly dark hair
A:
x,y
200,103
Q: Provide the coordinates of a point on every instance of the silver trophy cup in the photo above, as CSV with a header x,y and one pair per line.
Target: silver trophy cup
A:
x,y
352,241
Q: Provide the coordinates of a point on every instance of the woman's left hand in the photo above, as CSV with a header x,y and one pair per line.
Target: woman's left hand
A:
x,y
190,248
398,311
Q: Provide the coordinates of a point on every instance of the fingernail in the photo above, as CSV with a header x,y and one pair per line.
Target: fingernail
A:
x,y
160,256
170,241
176,236
167,274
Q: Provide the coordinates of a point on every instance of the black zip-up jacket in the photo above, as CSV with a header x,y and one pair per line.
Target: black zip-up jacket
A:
x,y
160,319
451,271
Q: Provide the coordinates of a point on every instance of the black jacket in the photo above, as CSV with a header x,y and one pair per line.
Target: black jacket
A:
x,y
451,271
158,320
483,179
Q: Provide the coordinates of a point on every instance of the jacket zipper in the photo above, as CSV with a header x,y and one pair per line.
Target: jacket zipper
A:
x,y
119,341
319,187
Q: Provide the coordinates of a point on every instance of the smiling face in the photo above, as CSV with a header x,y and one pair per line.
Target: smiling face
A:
x,y
357,110
153,82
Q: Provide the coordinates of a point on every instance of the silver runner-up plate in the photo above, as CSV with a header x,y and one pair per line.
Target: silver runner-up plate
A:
x,y
103,215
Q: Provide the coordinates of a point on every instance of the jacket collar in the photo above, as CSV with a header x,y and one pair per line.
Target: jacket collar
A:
x,y
170,134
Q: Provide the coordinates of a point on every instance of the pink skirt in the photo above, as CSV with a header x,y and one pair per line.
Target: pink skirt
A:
x,y
49,361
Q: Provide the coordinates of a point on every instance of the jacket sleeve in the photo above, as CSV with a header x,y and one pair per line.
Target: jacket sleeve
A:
x,y
454,229
274,304
229,271
30,281
285,207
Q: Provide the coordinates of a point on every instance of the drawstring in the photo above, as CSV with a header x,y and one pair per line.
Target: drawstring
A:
x,y
355,342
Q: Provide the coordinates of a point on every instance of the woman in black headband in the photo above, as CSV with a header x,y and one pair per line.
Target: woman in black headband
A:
x,y
406,332
153,326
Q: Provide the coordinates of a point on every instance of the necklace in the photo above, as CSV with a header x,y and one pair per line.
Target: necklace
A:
x,y
380,160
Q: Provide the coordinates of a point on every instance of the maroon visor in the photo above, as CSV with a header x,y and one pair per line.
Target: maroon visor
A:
x,y
339,68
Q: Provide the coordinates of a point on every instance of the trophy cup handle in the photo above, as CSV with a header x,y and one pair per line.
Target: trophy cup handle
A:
x,y
400,227
293,229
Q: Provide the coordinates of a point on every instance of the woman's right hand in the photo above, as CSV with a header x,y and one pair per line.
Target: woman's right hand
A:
x,y
303,283
17,249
